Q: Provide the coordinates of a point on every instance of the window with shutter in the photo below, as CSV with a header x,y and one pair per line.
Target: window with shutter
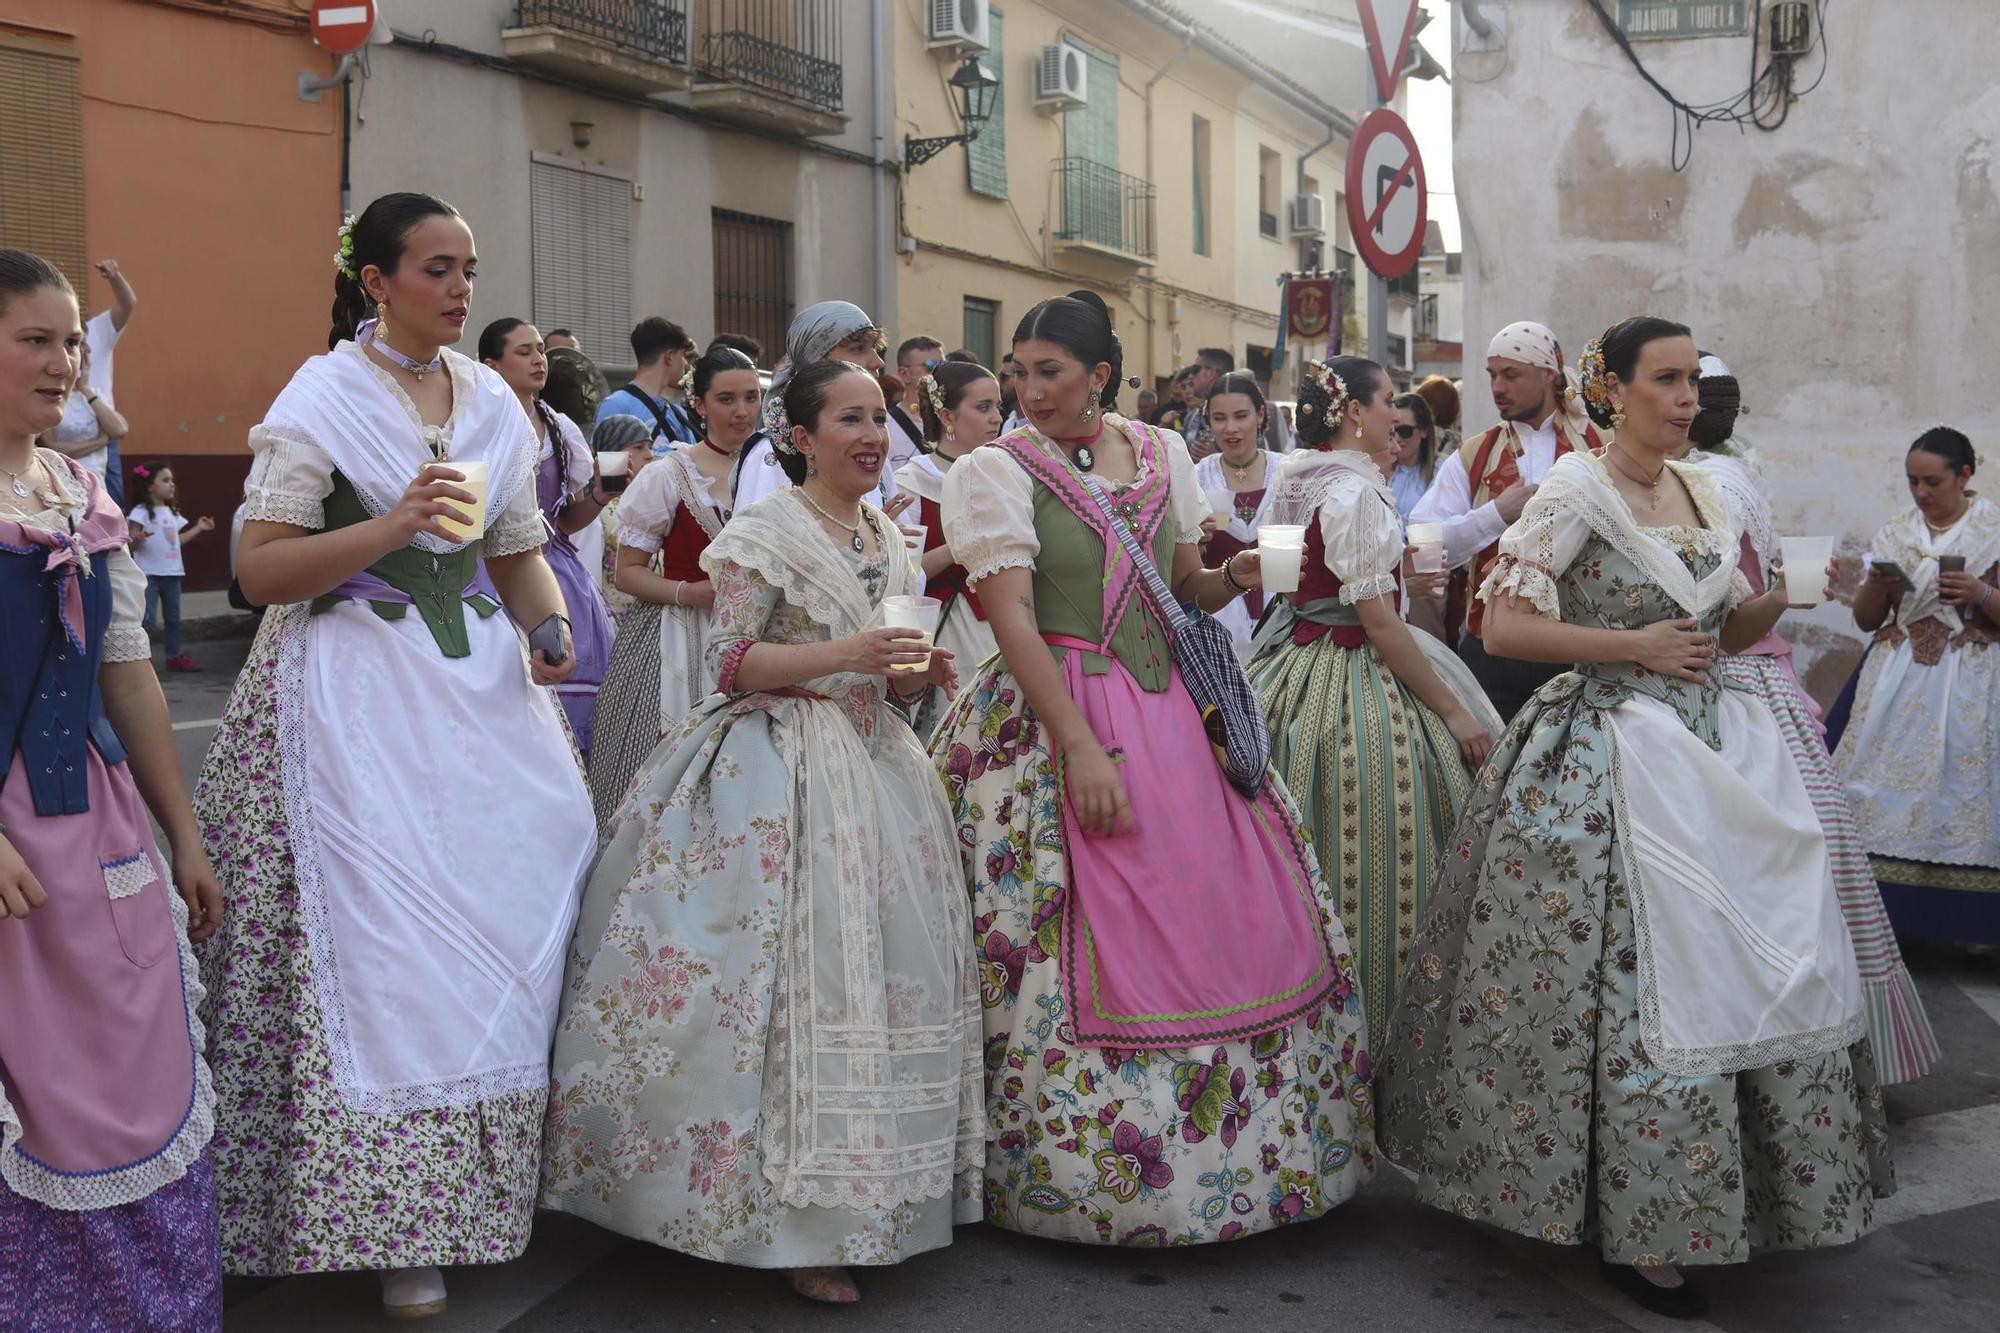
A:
x,y
982,319
753,278
581,240
41,152
986,156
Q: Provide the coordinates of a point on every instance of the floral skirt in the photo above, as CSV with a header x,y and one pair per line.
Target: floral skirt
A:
x,y
1379,784
145,1267
1162,1147
1515,1084
304,1184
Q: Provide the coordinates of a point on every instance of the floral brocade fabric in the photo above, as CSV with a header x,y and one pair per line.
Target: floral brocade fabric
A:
x,y
1515,1083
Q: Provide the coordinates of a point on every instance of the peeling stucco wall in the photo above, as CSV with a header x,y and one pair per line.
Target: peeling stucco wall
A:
x,y
1846,266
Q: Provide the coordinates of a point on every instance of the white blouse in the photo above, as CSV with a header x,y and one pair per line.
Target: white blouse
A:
x,y
989,505
649,506
124,636
1363,536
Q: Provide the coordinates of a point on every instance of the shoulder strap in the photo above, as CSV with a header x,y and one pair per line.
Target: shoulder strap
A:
x,y
1157,591
654,408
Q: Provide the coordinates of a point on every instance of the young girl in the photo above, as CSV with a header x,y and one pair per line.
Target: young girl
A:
x,y
157,525
1241,466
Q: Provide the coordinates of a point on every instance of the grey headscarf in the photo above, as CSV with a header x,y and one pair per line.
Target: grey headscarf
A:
x,y
815,332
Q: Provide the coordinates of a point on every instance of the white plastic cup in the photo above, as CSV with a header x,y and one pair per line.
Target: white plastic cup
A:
x,y
1221,503
1805,569
1428,539
1281,549
918,613
475,482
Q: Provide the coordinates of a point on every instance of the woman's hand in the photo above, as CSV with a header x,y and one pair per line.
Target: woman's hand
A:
x,y
1958,588
1474,744
1428,584
1247,568
1095,791
1209,526
547,673
428,498
195,881
941,673
697,593
1674,648
873,652
1784,586
20,892
898,504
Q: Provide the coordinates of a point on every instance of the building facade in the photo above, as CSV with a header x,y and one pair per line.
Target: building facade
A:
x,y
1136,149
1841,263
217,196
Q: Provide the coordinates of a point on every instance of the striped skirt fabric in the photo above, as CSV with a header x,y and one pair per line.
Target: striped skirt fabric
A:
x,y
628,711
1378,783
1905,1048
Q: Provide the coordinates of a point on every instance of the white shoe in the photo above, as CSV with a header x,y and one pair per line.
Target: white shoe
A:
x,y
412,1293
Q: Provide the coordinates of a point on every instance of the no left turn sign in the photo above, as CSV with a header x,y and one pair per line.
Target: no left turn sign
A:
x,y
1387,203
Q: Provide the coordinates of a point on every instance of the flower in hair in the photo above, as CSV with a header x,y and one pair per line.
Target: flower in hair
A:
x,y
141,470
778,426
935,392
687,378
1335,387
343,258
1590,366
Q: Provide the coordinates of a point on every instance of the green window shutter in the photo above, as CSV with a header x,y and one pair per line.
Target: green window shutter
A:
x,y
986,156
982,333
1092,132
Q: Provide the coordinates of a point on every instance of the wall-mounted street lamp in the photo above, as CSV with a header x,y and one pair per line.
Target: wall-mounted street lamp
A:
x,y
976,89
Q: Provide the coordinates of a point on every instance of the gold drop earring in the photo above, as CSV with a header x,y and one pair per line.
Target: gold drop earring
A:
x,y
1617,415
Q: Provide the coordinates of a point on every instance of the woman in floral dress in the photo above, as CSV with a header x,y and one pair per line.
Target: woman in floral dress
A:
x,y
1175,1048
1376,730
1633,1017
769,1049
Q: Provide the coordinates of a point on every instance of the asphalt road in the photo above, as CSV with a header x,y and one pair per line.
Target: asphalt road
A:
x,y
1379,1263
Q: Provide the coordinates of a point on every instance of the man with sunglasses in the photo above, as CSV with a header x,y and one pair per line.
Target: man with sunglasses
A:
x,y
1483,487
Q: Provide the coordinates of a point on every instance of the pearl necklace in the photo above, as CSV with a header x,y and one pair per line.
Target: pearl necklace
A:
x,y
855,527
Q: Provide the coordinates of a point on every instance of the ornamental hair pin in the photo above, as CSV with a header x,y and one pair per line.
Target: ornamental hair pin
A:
x,y
687,378
935,392
343,258
1590,367
779,427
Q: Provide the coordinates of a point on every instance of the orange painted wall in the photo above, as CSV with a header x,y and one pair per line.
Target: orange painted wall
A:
x,y
218,192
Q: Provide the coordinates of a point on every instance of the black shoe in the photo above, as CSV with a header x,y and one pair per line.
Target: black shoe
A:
x,y
1682,1302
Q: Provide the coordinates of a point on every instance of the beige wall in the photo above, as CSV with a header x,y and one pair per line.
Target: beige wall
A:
x,y
968,244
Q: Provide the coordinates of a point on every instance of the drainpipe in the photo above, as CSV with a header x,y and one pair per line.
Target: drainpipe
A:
x,y
879,186
1153,297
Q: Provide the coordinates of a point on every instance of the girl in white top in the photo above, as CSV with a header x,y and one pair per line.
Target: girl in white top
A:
x,y
158,528
1241,468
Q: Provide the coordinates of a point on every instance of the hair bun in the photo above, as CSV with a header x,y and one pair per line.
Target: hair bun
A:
x,y
1093,300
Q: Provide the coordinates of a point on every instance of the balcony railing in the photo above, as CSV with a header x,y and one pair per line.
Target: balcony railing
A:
x,y
657,29
1105,209
787,47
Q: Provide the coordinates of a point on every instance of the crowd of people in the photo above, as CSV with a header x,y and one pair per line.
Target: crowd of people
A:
x,y
806,813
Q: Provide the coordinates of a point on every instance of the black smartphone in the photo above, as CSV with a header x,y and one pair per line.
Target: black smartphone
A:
x,y
547,638
1892,569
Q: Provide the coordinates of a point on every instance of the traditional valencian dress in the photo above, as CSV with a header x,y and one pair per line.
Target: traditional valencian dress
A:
x,y
1175,1046
1905,1047
107,1190
769,1048
558,477
1240,617
1376,773
400,825
660,668
1633,1016
1921,751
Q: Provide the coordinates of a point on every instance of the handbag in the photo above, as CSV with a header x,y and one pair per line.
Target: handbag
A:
x,y
1209,667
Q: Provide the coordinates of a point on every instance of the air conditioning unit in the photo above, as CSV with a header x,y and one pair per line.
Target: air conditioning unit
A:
x,y
1308,215
1060,79
958,26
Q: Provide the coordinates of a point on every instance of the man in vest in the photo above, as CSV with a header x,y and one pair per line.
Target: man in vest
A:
x,y
1483,487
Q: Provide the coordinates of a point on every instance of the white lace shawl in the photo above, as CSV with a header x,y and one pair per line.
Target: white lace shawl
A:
x,y
1907,540
1576,499
1343,491
1749,504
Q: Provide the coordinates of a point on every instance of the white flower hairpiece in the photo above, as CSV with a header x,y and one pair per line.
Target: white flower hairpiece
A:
x,y
1336,390
935,392
343,257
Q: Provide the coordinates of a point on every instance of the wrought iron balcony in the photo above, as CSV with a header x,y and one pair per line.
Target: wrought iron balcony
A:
x,y
773,63
630,46
1104,211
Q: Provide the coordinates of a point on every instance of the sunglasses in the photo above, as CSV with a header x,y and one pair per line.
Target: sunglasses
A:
x,y
1405,432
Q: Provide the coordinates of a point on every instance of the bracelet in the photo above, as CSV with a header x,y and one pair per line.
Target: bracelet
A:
x,y
1229,576
680,586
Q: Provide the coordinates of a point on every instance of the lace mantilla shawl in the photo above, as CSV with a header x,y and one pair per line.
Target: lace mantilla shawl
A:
x,y
1743,490
1577,499
1906,539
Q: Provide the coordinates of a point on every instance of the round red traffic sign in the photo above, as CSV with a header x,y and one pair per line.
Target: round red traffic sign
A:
x,y
1387,204
342,26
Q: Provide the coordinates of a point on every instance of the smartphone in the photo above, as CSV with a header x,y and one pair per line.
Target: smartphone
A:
x,y
547,638
1892,569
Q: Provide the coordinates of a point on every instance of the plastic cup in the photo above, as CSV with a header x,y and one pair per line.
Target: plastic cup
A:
x,y
1280,566
1428,539
475,482
1805,568
918,613
1282,534
1221,503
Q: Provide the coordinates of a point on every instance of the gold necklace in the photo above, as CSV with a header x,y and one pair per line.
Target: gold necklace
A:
x,y
1243,472
1651,483
1939,530
854,527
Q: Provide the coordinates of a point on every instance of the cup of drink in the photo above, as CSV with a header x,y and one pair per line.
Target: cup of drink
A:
x,y
1951,564
1428,539
613,470
916,536
920,614
1281,549
1805,568
475,482
1221,503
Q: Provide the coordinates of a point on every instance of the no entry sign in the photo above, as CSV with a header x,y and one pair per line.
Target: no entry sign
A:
x,y
342,26
1386,196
